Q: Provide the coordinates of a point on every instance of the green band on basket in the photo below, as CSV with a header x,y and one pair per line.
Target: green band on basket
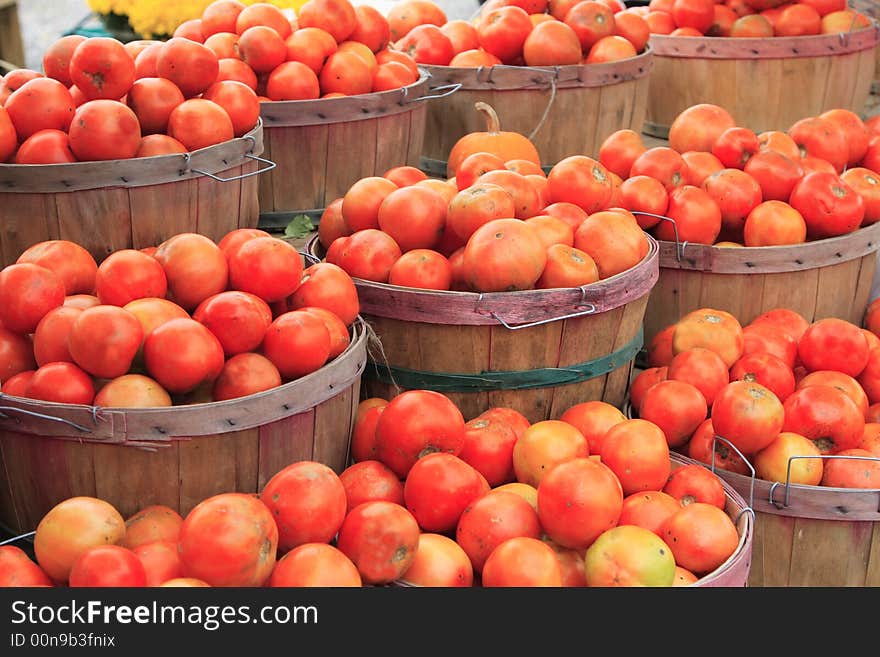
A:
x,y
545,377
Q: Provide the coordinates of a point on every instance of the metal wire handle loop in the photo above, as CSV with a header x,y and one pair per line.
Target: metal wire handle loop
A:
x,y
581,313
446,90
51,418
16,539
679,246
787,498
751,507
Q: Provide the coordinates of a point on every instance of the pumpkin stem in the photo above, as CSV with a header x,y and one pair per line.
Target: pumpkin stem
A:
x,y
493,125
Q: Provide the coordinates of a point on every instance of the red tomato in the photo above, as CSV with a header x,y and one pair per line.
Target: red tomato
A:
x,y
834,344
17,569
693,483
45,147
297,343
381,539
637,452
150,524
414,423
439,561
369,480
491,520
104,130
315,564
198,123
438,488
181,354
229,539
267,267
245,374
8,136
61,382
27,293
152,100
128,274
239,101
106,566
100,67
56,59
308,502
522,561
577,501
488,447
195,267
829,206
160,560
192,66
238,319
16,356
40,104
50,337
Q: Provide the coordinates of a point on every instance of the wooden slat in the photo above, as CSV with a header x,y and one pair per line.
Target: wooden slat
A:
x,y
772,549
829,553
760,48
160,211
760,105
284,442
247,460
9,515
218,204
392,142
98,219
872,574
415,145
862,289
266,182
303,161
796,291
526,349
207,468
131,479
617,383
836,289
353,149
25,220
332,429
249,207
45,472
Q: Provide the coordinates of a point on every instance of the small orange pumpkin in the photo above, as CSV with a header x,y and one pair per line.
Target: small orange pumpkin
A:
x,y
506,145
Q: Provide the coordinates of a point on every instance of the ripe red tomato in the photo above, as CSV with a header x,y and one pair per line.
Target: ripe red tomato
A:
x,y
229,539
297,343
381,538
238,319
245,374
492,519
100,67
693,483
56,59
61,382
438,488
192,66
104,130
267,267
198,123
315,564
40,104
195,267
16,356
829,206
307,501
128,274
152,100
17,569
8,136
104,340
151,524
638,453
488,447
522,561
45,147
27,293
50,337
160,560
108,566
439,561
181,354
369,480
834,344
70,261
577,501
416,423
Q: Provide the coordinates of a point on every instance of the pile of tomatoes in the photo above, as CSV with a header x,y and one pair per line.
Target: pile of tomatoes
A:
x,y
520,33
722,184
777,388
429,500
189,321
496,226
99,99
750,18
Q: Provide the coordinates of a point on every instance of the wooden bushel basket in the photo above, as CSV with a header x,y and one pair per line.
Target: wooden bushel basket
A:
x,y
322,147
811,535
765,84
825,278
134,203
176,456
537,351
564,110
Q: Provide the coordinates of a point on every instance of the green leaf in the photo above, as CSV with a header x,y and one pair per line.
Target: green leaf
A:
x,y
300,226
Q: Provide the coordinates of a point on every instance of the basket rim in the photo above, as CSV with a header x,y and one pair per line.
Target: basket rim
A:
x,y
475,308
149,427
